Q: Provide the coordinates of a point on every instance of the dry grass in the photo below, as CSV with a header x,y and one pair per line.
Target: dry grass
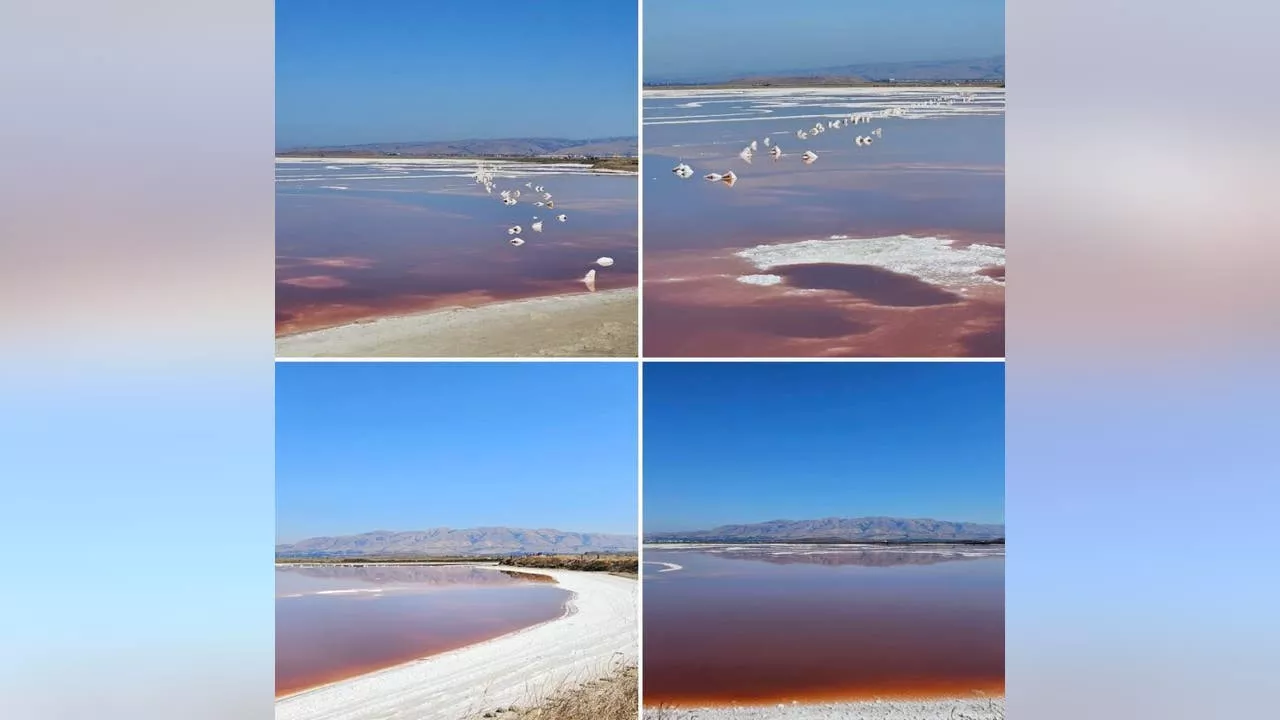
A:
x,y
619,564
630,164
994,710
615,697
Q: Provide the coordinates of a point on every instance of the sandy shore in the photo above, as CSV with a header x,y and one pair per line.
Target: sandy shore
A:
x,y
947,709
522,668
600,324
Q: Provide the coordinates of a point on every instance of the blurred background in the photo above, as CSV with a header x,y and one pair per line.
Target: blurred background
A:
x,y
1143,326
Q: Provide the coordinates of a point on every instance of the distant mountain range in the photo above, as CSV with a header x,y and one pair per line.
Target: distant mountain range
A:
x,y
863,529
988,69
505,147
448,541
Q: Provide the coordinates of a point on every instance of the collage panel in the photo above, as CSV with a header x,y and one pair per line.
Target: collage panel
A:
x,y
823,540
825,183
457,179
456,540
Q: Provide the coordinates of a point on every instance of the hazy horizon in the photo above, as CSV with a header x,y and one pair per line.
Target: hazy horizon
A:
x,y
474,138
826,517
728,37
280,540
741,443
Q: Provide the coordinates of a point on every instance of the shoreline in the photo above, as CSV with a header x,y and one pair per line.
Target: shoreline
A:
x,y
601,166
596,633
584,324
976,707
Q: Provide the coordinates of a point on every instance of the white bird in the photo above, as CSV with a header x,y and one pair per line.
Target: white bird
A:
x,y
767,141
516,242
776,152
590,279
539,189
809,156
713,177
858,140
866,140
754,146
539,204
604,261
730,178
745,154
802,134
514,230
529,184
509,201
562,217
684,172
878,132
546,196
537,227
681,168
515,194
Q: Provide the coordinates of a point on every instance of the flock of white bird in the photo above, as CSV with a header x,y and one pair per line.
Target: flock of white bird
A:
x,y
485,176
684,171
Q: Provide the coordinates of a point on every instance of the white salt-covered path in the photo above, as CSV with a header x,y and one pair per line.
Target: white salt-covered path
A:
x,y
597,634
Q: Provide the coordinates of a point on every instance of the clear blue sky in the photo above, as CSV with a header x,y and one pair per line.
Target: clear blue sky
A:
x,y
739,36
408,446
749,442
350,72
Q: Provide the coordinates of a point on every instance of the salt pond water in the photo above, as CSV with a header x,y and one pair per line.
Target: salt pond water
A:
x,y
336,622
758,624
362,239
927,197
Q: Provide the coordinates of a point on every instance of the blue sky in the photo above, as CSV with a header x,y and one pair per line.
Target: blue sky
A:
x,y
350,72
750,442
408,446
739,36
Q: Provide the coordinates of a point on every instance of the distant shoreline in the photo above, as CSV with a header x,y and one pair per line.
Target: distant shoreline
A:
x,y
800,83
623,163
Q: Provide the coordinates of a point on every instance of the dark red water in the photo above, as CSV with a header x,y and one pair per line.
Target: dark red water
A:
x,y
323,636
753,628
433,238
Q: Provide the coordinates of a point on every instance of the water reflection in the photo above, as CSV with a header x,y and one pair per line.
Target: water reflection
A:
x,y
335,622
862,557
773,624
289,579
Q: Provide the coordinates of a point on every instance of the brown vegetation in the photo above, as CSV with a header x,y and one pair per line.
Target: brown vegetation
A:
x,y
616,697
617,563
630,164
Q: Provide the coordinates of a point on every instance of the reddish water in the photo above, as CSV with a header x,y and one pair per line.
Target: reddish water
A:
x,y
942,176
750,628
323,636
432,238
